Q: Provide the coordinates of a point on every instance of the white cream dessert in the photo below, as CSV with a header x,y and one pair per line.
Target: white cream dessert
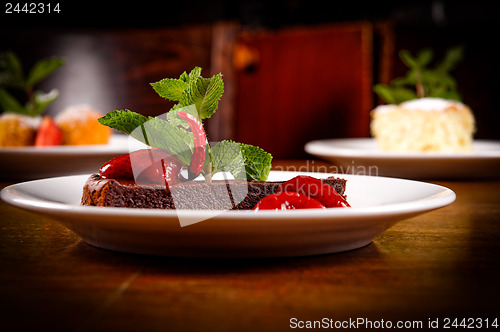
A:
x,y
423,125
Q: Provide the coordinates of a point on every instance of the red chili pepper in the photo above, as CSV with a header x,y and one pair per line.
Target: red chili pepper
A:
x,y
200,144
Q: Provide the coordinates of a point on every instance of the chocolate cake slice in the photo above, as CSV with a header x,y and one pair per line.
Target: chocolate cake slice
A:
x,y
217,195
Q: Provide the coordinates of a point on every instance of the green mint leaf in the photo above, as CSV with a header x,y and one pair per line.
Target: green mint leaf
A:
x,y
41,101
11,71
452,57
170,88
210,103
257,162
155,132
9,104
125,121
424,57
184,77
407,59
243,161
408,79
205,93
193,75
42,69
227,157
176,120
394,94
164,135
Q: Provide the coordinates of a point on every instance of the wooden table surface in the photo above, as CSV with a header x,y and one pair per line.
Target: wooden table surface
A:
x,y
444,264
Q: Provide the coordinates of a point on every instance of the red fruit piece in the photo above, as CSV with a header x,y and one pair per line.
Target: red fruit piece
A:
x,y
48,133
200,143
118,168
314,188
163,171
144,166
287,200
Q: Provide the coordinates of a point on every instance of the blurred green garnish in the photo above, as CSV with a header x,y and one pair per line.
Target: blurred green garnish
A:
x,y
420,80
12,78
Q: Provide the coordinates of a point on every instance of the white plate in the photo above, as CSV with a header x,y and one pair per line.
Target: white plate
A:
x,y
30,162
377,204
361,156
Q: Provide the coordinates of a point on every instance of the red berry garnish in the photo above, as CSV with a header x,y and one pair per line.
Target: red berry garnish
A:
x,y
287,200
314,188
48,133
153,166
163,171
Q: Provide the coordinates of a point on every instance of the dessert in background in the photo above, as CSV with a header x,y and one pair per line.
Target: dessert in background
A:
x,y
79,126
76,125
424,111
18,130
23,122
424,124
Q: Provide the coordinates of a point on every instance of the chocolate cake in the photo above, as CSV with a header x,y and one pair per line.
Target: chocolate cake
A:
x,y
217,195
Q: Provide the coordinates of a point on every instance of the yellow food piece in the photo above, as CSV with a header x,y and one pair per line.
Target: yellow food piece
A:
x,y
423,126
79,126
17,130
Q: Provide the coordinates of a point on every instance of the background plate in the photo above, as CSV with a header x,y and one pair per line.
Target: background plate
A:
x,y
29,162
361,156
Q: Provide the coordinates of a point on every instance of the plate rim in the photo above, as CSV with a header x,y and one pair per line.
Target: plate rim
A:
x,y
117,143
312,147
446,196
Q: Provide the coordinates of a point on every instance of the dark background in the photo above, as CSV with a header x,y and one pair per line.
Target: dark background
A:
x,y
415,24
273,14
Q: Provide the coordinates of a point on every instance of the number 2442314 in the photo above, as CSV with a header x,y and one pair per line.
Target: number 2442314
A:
x,y
32,8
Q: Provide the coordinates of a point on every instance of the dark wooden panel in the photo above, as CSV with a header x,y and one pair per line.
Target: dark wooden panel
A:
x,y
307,83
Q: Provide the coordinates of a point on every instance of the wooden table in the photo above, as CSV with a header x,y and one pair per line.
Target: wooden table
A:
x,y
442,264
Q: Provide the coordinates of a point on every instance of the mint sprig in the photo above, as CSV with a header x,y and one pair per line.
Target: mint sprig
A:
x,y
200,97
193,89
12,78
421,80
